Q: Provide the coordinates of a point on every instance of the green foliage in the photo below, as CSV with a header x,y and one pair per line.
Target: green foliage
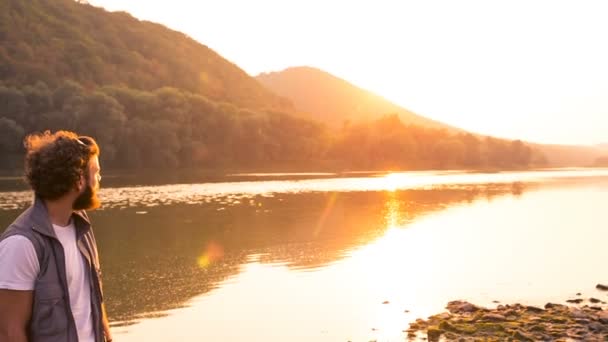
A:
x,y
57,40
165,128
169,128
11,135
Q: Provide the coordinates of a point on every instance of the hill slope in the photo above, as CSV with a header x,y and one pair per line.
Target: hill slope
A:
x,y
331,100
55,40
334,101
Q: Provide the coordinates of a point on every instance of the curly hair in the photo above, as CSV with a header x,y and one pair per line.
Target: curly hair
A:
x,y
54,162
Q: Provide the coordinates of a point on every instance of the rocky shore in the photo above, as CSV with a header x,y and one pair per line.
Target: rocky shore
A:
x,y
585,320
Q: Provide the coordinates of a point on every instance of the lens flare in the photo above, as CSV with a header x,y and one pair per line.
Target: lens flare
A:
x,y
212,254
328,207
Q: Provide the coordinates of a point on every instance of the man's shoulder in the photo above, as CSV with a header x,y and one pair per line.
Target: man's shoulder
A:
x,y
16,242
20,235
16,245
21,225
19,264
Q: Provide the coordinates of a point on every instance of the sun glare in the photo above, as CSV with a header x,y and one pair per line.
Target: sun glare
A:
x,y
392,181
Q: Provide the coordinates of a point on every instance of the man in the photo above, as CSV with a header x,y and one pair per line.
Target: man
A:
x,y
50,279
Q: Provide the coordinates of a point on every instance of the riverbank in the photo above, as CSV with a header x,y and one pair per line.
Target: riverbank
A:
x,y
583,319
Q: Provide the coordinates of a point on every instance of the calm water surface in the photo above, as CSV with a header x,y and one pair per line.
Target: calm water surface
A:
x,y
324,257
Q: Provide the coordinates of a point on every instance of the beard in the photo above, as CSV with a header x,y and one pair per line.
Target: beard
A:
x,y
87,200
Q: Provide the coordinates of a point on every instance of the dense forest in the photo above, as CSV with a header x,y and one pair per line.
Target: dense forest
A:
x,y
155,98
388,143
169,128
164,128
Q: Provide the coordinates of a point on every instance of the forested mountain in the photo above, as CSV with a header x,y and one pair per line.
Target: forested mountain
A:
x,y
334,101
154,98
54,40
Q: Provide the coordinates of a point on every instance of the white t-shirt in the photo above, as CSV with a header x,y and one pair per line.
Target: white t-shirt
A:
x,y
19,268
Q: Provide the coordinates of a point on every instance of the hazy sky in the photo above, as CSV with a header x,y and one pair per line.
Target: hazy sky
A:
x,y
536,70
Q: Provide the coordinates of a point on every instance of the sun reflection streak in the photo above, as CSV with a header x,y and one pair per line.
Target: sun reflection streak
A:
x,y
389,316
393,211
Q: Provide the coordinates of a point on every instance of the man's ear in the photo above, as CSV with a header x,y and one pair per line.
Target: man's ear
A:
x,y
81,183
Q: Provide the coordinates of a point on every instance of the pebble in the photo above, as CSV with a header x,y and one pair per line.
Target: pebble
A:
x,y
601,287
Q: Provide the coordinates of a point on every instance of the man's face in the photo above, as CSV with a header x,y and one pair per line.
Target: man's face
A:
x,y
87,199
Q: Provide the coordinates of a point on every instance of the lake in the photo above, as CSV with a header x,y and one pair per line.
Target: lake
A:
x,y
338,257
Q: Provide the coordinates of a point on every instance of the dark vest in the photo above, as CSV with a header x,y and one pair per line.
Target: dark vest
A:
x,y
52,319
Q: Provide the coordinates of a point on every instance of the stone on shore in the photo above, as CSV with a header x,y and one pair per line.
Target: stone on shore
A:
x,y
575,301
466,321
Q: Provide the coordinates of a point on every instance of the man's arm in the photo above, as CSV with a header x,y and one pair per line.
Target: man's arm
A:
x,y
106,323
18,271
15,314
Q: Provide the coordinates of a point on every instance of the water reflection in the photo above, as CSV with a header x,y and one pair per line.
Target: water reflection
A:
x,y
157,258
163,247
542,245
158,261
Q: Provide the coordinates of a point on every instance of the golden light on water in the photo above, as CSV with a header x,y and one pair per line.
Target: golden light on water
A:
x,y
213,253
393,211
392,181
422,251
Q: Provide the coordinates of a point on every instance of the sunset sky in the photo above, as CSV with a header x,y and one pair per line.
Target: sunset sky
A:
x,y
535,70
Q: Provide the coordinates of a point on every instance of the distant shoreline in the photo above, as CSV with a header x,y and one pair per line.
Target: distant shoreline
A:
x,y
10,175
381,178
229,171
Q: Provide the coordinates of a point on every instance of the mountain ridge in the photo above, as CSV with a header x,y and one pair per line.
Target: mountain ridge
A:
x,y
350,103
293,83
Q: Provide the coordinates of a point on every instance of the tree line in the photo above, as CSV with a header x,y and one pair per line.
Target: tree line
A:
x,y
389,143
170,128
